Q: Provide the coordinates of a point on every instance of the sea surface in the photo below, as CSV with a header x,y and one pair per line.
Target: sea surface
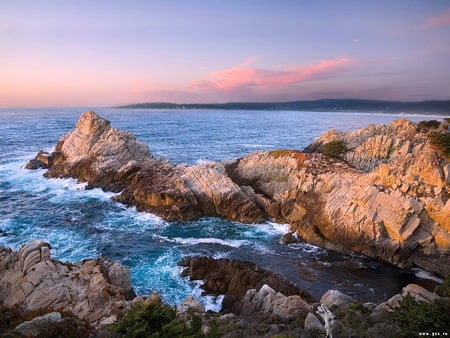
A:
x,y
81,224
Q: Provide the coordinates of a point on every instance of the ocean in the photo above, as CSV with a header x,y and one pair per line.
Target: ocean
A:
x,y
81,224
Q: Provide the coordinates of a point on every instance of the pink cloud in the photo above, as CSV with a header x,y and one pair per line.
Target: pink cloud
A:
x,y
245,76
438,20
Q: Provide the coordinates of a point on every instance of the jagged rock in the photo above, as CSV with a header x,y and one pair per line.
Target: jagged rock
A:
x,y
234,278
91,290
42,160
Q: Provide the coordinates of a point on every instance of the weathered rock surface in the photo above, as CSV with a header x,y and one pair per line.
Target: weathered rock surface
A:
x,y
114,160
234,279
92,290
388,197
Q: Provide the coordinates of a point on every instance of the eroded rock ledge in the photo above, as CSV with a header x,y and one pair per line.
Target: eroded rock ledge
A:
x,y
387,197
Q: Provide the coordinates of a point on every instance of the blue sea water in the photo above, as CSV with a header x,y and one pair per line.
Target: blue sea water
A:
x,y
83,224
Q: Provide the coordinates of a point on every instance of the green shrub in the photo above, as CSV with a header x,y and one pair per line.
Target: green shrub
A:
x,y
427,125
158,320
443,289
281,153
145,320
334,148
414,317
441,141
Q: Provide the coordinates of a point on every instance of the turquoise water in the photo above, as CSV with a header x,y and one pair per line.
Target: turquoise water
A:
x,y
82,224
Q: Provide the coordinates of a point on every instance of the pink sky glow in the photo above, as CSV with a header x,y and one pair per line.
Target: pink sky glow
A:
x,y
73,53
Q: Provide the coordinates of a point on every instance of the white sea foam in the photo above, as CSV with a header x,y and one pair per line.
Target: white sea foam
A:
x,y
426,275
255,145
211,303
267,229
202,160
235,243
307,248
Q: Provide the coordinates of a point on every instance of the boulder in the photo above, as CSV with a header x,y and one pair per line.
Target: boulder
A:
x,y
335,298
190,304
37,326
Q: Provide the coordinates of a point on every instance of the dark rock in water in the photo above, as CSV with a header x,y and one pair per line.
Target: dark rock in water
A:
x,y
234,278
289,238
43,160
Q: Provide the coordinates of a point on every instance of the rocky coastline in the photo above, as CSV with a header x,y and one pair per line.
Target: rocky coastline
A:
x,y
94,298
383,191
384,194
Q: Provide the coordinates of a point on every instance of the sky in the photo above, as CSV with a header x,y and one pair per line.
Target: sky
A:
x,y
114,52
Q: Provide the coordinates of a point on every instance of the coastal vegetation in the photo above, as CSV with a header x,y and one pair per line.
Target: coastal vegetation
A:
x,y
69,326
441,140
157,320
334,148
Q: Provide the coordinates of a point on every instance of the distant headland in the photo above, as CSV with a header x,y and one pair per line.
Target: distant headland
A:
x,y
344,105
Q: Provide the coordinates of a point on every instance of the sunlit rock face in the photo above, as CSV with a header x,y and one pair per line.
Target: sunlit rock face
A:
x,y
386,196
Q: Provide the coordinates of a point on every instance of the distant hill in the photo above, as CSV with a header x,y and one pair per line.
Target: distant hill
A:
x,y
424,107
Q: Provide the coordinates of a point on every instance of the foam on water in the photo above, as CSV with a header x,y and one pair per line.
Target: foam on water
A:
x,y
426,275
307,248
195,241
211,303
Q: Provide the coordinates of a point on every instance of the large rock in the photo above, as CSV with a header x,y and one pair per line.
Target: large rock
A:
x,y
92,290
114,160
267,300
387,197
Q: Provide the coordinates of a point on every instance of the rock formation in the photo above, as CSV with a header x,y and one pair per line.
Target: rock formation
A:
x,y
234,279
387,197
94,290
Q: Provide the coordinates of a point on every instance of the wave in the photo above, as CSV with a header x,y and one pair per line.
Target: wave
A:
x,y
235,243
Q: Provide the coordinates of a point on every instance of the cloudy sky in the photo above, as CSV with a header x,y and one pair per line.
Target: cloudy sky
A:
x,y
111,52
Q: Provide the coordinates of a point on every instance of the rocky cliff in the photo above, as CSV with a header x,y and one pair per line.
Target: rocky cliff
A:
x,y
385,194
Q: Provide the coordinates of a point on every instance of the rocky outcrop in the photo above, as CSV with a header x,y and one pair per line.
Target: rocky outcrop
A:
x,y
114,160
94,290
387,197
234,279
